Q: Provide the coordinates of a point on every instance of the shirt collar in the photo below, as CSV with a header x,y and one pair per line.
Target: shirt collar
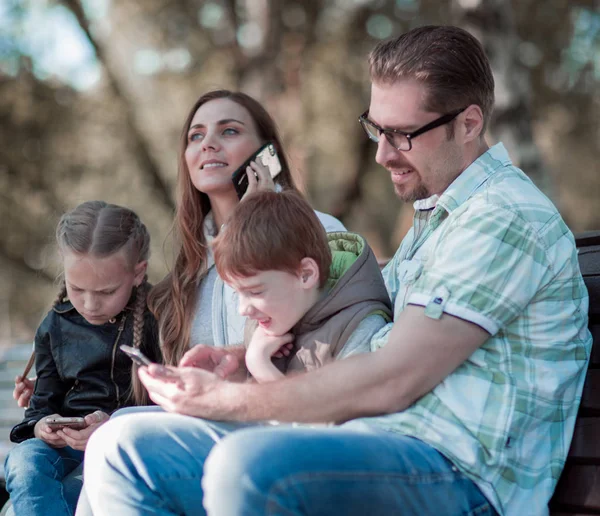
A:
x,y
469,181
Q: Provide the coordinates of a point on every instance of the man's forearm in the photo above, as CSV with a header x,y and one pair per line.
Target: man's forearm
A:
x,y
323,395
420,353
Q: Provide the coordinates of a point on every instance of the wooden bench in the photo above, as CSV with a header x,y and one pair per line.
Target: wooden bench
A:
x,y
578,491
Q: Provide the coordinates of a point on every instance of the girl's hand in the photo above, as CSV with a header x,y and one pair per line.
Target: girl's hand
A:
x,y
259,178
23,390
77,439
47,434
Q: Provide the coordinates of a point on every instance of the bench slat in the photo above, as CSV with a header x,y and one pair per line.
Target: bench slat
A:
x,y
578,488
595,356
586,444
590,401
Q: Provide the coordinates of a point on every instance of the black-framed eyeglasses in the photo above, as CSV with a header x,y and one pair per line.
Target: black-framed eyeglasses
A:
x,y
400,139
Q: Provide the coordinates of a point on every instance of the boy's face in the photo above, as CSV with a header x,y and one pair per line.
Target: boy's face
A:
x,y
277,300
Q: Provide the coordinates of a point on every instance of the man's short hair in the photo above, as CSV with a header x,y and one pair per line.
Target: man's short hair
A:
x,y
447,60
271,231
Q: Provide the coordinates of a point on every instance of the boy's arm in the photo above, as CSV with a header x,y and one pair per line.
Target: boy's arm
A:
x,y
360,340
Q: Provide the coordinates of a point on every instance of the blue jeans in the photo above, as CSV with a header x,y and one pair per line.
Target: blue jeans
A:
x,y
161,463
43,480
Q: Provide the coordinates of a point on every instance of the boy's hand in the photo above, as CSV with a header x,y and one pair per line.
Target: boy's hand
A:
x,y
268,346
77,439
23,390
47,434
261,349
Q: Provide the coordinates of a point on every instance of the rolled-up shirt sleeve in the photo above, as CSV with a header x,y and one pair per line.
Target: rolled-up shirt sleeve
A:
x,y
486,267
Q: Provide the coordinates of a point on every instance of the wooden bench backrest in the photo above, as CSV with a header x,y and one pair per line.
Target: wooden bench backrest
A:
x,y
578,491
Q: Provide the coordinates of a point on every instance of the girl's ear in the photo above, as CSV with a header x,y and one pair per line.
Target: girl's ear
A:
x,y
308,273
139,272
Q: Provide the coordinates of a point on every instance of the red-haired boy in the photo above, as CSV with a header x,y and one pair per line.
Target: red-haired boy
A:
x,y
321,292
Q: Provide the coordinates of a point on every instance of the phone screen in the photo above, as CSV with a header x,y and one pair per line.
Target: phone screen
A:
x,y
267,155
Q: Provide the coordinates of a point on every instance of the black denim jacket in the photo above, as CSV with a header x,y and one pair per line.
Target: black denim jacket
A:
x,y
79,366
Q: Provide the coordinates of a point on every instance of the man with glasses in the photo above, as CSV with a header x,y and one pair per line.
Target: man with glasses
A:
x,y
468,402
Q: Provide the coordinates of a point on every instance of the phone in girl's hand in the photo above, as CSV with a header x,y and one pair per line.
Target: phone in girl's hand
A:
x,y
267,156
142,360
76,423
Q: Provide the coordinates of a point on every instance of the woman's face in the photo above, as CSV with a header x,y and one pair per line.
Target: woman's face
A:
x,y
222,135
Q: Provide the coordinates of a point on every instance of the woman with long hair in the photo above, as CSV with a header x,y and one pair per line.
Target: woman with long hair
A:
x,y
192,304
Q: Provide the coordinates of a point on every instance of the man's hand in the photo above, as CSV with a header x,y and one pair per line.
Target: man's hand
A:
x,y
77,439
215,360
47,434
23,390
195,392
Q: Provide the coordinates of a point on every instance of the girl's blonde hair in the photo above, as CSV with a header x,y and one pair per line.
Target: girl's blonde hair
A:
x,y
99,229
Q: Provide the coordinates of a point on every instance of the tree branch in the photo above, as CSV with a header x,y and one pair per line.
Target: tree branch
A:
x,y
142,150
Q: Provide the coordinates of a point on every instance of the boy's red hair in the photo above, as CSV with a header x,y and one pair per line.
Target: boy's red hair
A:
x,y
271,231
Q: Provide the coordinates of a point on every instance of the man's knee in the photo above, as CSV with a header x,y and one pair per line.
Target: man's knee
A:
x,y
243,454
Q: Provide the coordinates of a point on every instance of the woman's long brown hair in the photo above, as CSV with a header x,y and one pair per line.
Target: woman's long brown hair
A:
x,y
173,300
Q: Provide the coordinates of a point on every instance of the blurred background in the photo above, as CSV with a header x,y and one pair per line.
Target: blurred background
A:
x,y
93,94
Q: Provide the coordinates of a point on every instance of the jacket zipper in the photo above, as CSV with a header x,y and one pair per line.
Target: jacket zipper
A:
x,y
114,357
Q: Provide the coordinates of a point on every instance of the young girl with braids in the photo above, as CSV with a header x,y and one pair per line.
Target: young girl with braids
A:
x,y
80,369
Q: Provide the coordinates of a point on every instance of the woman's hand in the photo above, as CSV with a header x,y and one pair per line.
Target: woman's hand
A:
x,y
259,178
47,434
77,439
23,390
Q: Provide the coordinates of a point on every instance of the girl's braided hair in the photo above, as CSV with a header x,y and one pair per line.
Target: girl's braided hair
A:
x,y
100,229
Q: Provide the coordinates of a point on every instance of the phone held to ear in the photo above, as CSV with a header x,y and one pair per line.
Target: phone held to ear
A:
x,y
76,423
142,360
267,156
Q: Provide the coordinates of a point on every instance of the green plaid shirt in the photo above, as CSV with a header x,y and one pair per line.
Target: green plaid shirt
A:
x,y
493,250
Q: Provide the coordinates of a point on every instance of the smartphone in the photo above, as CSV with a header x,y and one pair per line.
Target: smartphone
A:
x,y
142,360
267,155
136,355
77,423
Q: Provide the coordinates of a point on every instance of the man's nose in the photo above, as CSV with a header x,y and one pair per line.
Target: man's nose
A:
x,y
386,152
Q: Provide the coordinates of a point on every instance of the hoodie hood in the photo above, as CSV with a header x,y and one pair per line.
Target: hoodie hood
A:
x,y
355,290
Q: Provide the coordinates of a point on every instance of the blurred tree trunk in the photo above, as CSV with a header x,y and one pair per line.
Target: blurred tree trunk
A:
x,y
493,23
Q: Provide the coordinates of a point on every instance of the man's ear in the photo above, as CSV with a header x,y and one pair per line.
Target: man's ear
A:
x,y
139,272
308,273
472,123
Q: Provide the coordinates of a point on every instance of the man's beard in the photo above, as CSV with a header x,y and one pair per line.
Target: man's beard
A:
x,y
412,195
